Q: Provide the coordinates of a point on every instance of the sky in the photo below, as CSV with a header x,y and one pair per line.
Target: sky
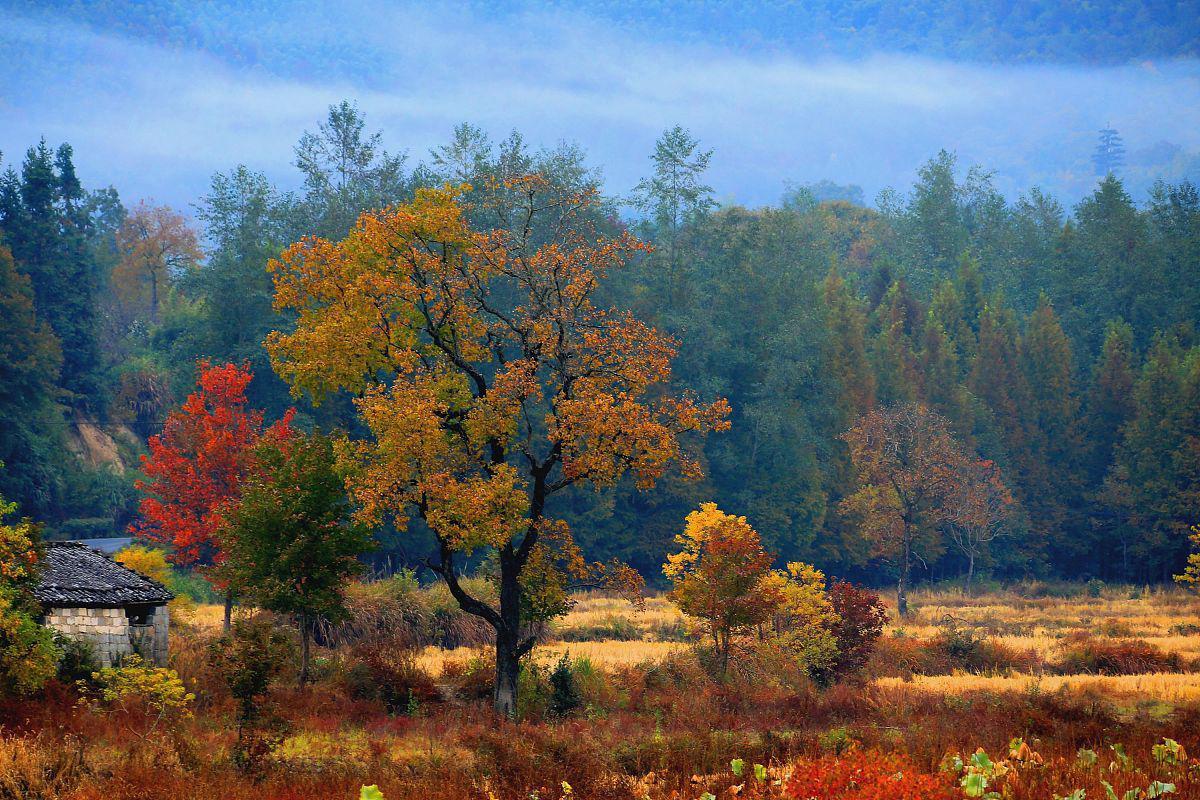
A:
x,y
156,117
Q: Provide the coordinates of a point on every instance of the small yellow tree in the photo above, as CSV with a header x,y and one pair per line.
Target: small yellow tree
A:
x,y
152,562
1190,577
802,625
721,576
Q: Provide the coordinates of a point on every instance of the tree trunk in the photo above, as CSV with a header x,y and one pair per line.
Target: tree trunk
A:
x,y
153,296
970,571
228,610
508,670
508,637
305,637
902,585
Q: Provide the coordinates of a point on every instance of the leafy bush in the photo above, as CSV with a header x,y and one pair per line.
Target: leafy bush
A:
x,y
77,659
28,656
145,696
472,678
861,616
392,675
565,698
249,659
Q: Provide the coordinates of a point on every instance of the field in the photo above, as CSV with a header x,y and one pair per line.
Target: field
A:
x,y
1036,680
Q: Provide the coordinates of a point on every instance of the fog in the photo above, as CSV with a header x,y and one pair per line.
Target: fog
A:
x,y
158,118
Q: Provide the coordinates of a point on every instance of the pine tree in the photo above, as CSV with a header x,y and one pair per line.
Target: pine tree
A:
x,y
1110,400
893,352
1051,463
45,222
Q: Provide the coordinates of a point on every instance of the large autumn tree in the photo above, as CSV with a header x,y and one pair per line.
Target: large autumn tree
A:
x,y
489,379
197,465
157,247
909,470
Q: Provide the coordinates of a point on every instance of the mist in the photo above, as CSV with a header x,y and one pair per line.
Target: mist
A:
x,y
157,118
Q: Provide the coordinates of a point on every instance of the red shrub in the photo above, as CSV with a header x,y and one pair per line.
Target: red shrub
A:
x,y
865,775
861,617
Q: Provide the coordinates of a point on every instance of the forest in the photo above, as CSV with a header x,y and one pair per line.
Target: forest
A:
x,y
1057,346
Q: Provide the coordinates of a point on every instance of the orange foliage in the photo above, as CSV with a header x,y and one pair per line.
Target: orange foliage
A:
x,y
864,775
155,245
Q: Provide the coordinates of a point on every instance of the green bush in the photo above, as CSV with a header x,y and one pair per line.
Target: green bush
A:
x,y
565,697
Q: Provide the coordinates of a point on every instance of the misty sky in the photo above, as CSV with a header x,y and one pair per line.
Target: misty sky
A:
x,y
156,119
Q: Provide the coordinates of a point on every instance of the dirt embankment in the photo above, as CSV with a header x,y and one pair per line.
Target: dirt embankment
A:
x,y
95,445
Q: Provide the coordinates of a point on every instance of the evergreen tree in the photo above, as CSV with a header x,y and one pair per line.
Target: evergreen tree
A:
x,y
45,223
1050,466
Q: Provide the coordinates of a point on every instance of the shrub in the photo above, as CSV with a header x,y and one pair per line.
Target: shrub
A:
x,y
28,657
146,696
253,655
77,659
473,678
865,775
565,698
1083,653
1095,587
861,616
392,675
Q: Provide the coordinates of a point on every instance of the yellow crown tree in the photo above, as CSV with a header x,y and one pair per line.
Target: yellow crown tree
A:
x,y
489,380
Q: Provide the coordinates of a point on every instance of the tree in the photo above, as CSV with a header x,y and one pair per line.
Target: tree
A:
x,y
1050,466
156,247
907,464
490,382
28,657
721,575
289,540
1190,577
30,359
44,220
674,195
196,467
978,511
346,171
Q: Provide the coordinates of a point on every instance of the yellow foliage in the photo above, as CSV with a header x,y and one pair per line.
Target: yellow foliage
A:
x,y
1191,574
135,685
152,563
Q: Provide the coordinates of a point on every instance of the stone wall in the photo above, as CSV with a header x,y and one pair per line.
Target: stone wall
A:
x,y
110,633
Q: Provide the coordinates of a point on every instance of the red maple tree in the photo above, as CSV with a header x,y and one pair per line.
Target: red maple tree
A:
x,y
197,464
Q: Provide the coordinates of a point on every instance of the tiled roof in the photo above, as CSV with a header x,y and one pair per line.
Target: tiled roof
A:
x,y
75,575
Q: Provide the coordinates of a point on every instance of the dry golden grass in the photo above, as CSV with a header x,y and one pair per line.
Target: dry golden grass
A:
x,y
206,615
1160,686
602,653
1041,623
1162,617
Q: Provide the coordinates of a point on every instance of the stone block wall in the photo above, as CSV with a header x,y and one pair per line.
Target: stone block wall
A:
x,y
110,633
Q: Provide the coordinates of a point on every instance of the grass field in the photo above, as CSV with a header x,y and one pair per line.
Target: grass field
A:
x,y
1168,619
1035,665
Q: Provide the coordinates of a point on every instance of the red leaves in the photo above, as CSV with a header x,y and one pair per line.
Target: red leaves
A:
x,y
197,464
865,775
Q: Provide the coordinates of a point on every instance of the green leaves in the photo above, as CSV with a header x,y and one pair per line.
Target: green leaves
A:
x,y
370,793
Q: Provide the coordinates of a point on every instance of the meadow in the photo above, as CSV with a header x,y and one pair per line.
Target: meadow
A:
x,y
1065,692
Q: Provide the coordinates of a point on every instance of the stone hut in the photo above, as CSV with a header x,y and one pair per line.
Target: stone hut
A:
x,y
86,595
